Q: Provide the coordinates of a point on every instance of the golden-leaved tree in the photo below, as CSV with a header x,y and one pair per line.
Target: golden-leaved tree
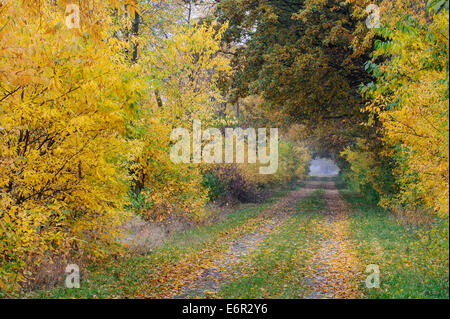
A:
x,y
410,99
64,92
406,160
181,71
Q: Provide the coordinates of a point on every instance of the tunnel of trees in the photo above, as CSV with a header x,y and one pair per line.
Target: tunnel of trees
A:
x,y
90,93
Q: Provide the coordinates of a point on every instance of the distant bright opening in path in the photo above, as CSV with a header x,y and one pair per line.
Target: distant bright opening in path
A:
x,y
323,167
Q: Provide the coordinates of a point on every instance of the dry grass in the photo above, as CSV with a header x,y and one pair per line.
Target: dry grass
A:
x,y
413,217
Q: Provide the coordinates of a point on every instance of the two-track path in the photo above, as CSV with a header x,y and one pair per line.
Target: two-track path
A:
x,y
331,273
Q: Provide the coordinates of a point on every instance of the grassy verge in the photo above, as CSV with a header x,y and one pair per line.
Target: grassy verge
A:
x,y
407,267
277,270
157,273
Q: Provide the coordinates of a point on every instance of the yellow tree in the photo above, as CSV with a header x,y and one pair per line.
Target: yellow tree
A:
x,y
64,92
410,98
183,70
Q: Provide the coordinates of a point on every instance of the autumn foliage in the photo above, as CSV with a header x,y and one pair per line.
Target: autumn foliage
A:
x,y
409,102
406,167
86,114
85,121
63,105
